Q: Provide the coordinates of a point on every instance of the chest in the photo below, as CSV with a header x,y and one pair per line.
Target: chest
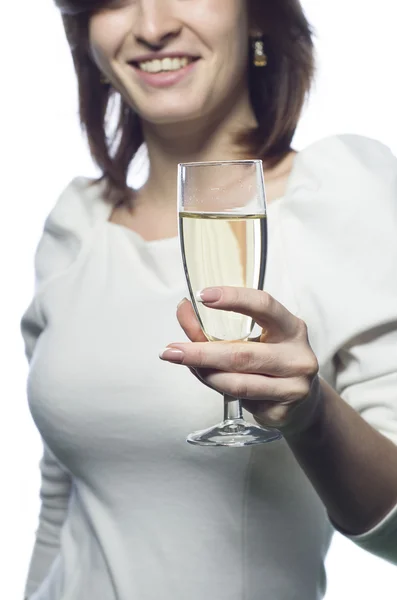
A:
x,y
114,312
96,375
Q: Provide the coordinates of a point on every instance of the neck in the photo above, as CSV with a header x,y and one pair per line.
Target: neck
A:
x,y
208,138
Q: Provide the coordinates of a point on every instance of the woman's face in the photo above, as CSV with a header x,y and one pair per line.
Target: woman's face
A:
x,y
173,60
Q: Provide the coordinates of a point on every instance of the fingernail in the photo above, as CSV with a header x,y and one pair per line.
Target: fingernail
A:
x,y
172,355
209,295
182,302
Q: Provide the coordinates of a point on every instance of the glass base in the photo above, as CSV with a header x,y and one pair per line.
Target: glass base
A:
x,y
235,434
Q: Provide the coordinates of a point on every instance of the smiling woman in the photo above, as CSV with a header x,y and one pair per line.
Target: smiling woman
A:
x,y
277,95
129,510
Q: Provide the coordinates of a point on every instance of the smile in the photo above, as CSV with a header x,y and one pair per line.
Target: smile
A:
x,y
164,64
164,71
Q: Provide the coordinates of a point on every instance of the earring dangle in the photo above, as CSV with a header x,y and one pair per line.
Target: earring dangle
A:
x,y
260,57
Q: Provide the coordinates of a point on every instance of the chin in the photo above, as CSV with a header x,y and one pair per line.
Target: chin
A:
x,y
173,115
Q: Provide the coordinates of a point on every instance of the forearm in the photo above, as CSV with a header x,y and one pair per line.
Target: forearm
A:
x,y
352,466
55,493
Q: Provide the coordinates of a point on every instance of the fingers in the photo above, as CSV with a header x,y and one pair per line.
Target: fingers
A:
x,y
276,360
188,321
291,417
201,376
267,412
273,377
287,404
257,389
272,316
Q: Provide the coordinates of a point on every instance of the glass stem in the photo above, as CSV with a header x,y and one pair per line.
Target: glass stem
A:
x,y
233,408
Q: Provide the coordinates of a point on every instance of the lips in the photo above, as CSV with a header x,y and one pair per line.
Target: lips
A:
x,y
163,70
166,64
158,62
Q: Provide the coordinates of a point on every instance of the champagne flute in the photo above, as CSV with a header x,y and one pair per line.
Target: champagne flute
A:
x,y
223,236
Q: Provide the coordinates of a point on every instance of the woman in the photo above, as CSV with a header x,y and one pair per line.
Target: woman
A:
x,y
129,510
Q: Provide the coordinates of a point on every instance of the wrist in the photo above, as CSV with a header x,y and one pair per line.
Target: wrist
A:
x,y
306,418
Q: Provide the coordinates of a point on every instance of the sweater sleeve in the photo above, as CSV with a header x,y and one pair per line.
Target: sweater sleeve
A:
x,y
382,539
340,236
54,495
66,229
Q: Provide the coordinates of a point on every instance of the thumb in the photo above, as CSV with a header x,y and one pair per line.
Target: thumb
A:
x,y
188,321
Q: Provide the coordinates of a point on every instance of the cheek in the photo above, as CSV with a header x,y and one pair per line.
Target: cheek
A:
x,y
234,50
106,34
227,26
216,19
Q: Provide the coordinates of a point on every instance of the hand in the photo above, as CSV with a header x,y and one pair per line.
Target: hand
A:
x,y
276,376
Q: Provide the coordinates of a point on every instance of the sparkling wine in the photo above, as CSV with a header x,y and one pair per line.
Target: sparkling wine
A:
x,y
223,249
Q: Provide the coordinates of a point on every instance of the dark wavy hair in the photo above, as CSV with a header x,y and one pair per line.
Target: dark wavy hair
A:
x,y
277,92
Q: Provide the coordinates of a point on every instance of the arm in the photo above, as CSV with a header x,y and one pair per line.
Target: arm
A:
x,y
352,466
67,228
338,238
344,278
55,482
55,491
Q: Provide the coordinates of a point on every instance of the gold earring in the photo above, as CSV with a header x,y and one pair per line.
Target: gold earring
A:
x,y
104,80
260,57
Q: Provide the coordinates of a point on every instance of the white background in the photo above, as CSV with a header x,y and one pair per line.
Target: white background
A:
x,y
42,150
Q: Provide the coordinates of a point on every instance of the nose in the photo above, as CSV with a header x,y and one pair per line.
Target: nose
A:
x,y
157,23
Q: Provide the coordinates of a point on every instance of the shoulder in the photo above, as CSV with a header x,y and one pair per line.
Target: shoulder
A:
x,y
339,178
358,148
67,230
69,225
339,223
351,164
81,204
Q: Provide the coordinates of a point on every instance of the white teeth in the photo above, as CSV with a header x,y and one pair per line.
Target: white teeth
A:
x,y
166,64
155,66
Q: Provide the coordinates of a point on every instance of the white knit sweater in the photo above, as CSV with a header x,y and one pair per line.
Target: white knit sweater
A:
x,y
129,510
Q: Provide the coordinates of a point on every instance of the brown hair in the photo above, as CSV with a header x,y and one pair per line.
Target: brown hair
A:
x,y
277,92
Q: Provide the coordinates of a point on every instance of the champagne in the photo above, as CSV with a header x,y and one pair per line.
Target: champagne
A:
x,y
223,249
